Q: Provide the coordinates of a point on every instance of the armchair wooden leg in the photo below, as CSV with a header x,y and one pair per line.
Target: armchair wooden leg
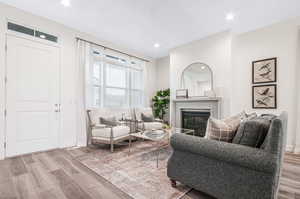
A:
x,y
173,183
112,147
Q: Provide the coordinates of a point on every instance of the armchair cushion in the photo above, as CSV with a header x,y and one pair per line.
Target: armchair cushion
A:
x,y
139,111
95,114
118,131
147,117
110,121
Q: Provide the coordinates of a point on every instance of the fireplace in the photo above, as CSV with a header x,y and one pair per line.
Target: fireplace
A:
x,y
196,120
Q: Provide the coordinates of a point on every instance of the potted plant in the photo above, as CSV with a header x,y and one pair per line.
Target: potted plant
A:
x,y
161,103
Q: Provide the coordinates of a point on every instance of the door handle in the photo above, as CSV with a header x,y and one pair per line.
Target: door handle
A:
x,y
57,108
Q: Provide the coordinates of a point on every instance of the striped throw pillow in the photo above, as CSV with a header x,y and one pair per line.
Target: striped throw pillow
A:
x,y
224,130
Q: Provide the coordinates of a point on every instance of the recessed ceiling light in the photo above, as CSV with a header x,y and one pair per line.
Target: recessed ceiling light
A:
x,y
203,67
43,36
230,16
156,45
66,3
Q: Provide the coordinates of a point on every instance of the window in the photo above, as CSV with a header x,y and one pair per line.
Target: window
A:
x,y
116,80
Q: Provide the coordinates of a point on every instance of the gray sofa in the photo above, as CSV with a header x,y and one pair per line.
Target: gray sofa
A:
x,y
226,170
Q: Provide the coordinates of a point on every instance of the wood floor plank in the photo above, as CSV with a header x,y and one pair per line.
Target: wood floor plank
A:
x,y
55,193
17,166
46,162
66,165
50,194
62,177
69,187
73,191
24,187
58,175
28,159
41,178
7,190
5,173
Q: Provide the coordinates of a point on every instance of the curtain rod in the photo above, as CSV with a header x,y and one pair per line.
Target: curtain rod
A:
x,y
105,47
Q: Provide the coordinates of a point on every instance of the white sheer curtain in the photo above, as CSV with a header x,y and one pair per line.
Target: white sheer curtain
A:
x,y
106,78
83,55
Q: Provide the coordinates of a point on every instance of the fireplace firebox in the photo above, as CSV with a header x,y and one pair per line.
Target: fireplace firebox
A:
x,y
196,120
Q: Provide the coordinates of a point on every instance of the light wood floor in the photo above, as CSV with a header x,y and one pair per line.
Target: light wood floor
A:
x,y
58,175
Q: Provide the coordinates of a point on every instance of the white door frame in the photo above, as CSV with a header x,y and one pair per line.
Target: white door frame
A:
x,y
38,40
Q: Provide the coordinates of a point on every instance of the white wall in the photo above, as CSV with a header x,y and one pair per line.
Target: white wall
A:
x,y
230,56
163,73
281,41
213,51
297,147
150,83
68,69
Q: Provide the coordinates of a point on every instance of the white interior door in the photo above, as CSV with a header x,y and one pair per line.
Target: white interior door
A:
x,y
32,96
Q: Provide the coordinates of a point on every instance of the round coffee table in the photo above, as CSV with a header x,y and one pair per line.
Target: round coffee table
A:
x,y
159,136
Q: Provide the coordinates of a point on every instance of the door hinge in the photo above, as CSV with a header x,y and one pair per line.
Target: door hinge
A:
x,y
5,113
4,145
5,80
5,47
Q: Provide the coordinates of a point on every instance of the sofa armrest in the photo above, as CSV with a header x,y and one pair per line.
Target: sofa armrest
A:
x,y
243,156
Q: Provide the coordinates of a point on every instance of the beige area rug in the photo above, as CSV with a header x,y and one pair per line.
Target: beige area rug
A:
x,y
136,173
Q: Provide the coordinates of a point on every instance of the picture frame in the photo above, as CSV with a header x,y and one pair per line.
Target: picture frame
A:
x,y
264,71
182,93
264,96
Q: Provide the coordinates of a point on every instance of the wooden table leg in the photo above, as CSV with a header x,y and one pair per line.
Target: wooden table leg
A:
x,y
173,183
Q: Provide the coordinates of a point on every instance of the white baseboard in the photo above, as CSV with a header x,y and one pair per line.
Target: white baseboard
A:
x,y
289,148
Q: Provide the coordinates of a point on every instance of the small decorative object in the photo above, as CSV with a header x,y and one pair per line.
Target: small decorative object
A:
x,y
264,71
210,93
161,103
182,93
264,97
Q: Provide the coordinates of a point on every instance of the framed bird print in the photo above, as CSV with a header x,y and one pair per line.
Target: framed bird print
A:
x,y
264,71
264,96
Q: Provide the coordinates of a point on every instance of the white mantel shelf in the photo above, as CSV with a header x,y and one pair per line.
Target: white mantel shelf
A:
x,y
197,99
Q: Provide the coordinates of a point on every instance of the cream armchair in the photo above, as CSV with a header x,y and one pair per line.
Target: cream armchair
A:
x,y
141,125
105,134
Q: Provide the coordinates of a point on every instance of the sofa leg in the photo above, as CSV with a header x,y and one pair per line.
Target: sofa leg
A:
x,y
112,147
173,183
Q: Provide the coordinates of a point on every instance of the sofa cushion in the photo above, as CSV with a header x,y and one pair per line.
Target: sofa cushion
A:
x,y
110,121
223,130
234,121
147,117
253,132
118,131
219,130
250,116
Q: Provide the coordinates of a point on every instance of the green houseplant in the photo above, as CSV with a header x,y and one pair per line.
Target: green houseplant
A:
x,y
161,103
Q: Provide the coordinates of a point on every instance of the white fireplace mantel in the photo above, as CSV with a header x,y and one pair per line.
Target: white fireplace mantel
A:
x,y
210,104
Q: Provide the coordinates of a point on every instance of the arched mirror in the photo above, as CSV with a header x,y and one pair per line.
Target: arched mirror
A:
x,y
198,79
